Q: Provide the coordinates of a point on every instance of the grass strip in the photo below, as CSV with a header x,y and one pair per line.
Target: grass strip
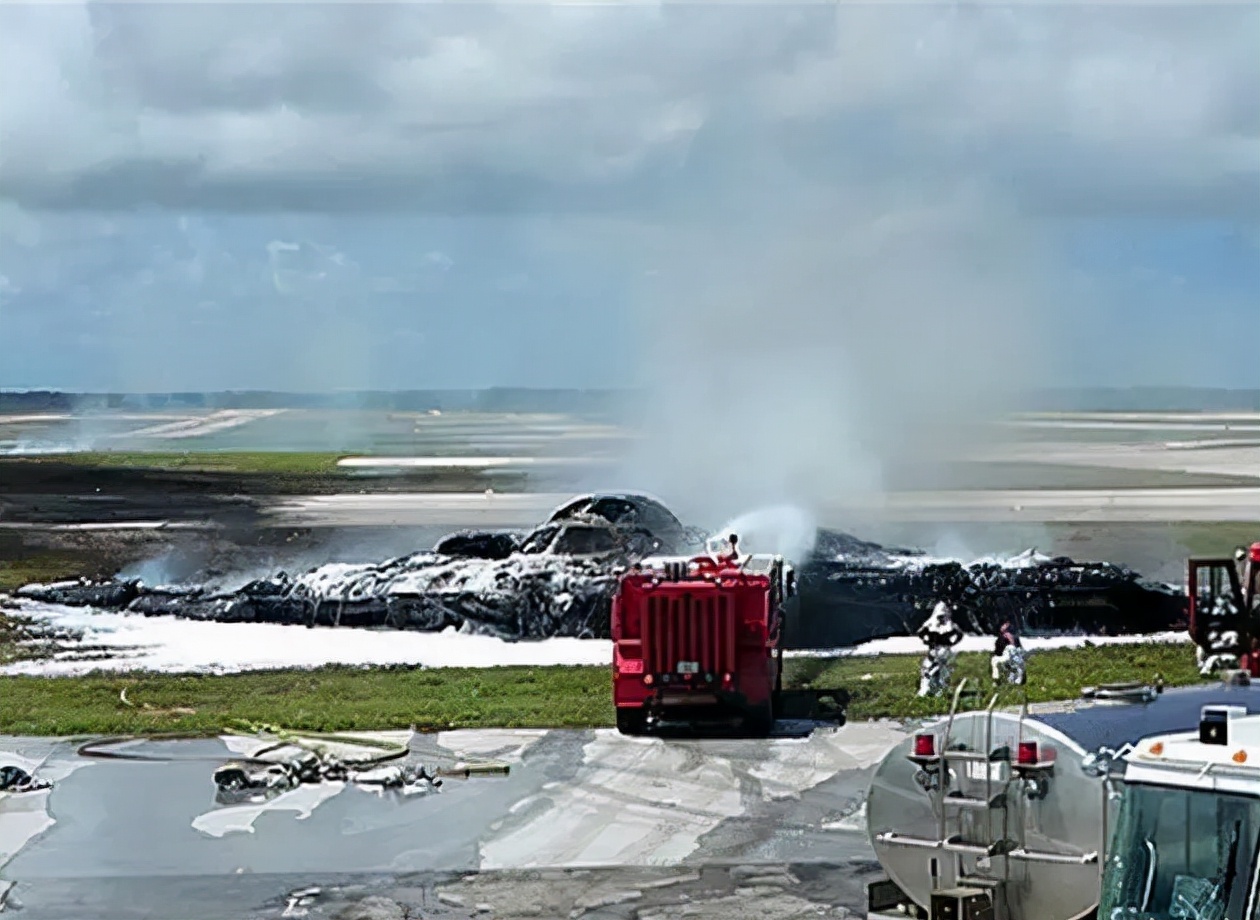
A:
x,y
289,463
347,699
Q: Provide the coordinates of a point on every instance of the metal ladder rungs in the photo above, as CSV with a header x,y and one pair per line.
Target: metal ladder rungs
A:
x,y
971,756
968,801
977,881
956,844
1059,858
891,838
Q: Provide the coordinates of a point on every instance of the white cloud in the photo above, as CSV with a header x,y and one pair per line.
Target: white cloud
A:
x,y
244,107
310,270
791,156
439,261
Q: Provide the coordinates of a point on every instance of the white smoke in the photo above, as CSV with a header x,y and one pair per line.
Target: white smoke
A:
x,y
164,569
810,353
783,529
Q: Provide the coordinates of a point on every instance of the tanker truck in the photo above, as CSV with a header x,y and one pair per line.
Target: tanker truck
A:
x,y
1131,803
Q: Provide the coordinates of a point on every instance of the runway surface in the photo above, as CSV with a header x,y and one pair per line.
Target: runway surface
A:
x,y
612,820
1189,453
492,510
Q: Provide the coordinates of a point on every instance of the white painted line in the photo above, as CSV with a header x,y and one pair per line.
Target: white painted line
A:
x,y
465,462
198,426
31,419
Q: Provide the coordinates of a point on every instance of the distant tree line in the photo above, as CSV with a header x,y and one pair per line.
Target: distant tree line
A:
x,y
495,399
583,402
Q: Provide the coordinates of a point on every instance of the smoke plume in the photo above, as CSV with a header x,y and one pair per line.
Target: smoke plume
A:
x,y
803,355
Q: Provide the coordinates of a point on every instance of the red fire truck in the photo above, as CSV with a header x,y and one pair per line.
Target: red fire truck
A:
x,y
700,639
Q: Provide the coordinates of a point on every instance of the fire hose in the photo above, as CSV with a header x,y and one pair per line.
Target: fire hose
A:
x,y
316,760
99,748
316,742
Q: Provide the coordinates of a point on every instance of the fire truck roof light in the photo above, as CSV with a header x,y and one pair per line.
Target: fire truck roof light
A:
x,y
1214,723
925,745
1028,753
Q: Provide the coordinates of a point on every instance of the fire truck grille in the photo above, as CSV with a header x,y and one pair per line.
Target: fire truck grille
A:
x,y
683,632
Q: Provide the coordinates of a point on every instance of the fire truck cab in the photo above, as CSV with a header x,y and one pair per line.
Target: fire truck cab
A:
x,y
700,639
1223,600
1187,837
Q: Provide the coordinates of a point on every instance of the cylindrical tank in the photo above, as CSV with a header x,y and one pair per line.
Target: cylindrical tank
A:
x,y
1049,819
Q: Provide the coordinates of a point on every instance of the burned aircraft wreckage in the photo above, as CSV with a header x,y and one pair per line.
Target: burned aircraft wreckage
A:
x,y
558,580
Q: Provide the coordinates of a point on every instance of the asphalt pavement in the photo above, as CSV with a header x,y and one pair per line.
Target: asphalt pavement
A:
x,y
587,824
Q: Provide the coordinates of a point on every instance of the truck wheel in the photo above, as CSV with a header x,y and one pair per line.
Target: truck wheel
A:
x,y
759,720
631,721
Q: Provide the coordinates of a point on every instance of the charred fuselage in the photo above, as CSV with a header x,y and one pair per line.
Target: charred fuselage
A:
x,y
558,580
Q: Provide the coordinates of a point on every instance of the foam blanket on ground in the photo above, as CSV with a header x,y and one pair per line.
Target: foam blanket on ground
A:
x,y
851,591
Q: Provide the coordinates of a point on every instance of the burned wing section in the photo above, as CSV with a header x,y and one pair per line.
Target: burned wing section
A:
x,y
559,580
863,592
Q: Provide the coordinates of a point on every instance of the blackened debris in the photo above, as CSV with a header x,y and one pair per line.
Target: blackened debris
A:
x,y
849,600
14,779
559,580
478,545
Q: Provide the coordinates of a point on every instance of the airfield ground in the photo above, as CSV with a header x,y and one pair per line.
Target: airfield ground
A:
x,y
589,825
211,490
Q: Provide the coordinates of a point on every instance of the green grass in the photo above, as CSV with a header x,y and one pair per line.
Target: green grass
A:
x,y
342,698
1216,539
288,463
884,686
48,566
250,472
328,699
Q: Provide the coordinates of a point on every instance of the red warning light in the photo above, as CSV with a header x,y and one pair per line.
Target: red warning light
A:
x,y
925,745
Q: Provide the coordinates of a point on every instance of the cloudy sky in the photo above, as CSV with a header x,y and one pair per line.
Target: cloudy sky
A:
x,y
458,194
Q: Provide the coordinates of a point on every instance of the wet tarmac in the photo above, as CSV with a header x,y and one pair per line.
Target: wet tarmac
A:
x,y
587,824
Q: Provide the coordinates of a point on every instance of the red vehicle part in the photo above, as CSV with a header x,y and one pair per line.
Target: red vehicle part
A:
x,y
1238,579
699,639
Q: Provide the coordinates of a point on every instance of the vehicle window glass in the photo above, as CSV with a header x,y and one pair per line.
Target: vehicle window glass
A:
x,y
585,540
569,510
615,510
1176,852
539,540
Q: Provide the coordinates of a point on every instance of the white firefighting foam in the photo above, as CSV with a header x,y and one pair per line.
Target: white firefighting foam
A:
x,y
132,642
